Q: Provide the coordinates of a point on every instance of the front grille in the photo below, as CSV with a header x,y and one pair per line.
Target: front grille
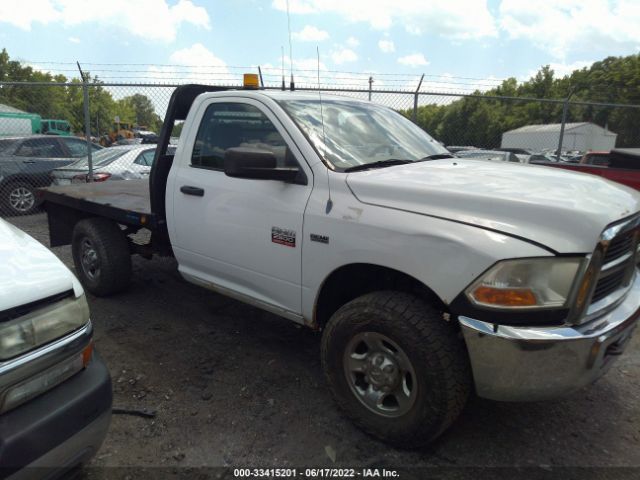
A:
x,y
609,284
619,246
618,263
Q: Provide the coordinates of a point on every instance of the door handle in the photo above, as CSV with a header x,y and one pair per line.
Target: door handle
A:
x,y
28,161
195,191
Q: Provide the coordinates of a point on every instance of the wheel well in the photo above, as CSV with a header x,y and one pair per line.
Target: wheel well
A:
x,y
351,281
62,220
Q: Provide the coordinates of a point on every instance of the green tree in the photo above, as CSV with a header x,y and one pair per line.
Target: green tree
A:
x,y
143,111
481,121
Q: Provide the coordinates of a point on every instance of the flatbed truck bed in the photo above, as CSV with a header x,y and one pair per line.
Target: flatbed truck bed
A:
x,y
126,202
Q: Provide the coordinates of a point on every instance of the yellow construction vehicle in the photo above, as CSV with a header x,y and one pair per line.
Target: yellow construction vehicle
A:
x,y
119,131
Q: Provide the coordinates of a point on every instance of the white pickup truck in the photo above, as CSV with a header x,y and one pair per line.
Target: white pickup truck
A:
x,y
428,275
55,390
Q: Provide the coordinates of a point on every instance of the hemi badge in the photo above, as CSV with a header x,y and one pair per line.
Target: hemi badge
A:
x,y
319,238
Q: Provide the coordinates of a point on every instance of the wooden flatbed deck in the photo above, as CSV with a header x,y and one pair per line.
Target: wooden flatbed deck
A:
x,y
125,201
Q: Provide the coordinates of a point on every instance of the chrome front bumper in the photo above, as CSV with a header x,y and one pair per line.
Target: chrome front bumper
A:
x,y
529,363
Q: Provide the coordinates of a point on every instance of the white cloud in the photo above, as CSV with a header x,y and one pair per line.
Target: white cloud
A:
x,y
562,27
343,55
194,64
154,20
413,60
310,34
561,69
353,42
196,55
462,19
74,39
386,46
23,13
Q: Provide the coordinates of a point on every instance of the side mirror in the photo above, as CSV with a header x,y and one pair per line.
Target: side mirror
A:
x,y
255,163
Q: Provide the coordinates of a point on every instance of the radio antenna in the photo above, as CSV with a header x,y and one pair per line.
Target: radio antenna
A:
x,y
324,138
292,84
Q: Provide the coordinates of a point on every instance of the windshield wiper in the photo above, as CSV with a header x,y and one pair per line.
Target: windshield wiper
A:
x,y
379,164
436,156
395,161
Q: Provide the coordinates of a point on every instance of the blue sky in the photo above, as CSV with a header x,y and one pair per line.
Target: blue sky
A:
x,y
459,44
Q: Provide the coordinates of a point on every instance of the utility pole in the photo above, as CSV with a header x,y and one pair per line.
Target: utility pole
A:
x,y
370,87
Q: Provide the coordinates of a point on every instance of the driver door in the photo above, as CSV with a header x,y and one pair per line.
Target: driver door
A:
x,y
236,235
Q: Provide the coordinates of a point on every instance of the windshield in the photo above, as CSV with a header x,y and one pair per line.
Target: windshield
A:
x,y
100,158
358,133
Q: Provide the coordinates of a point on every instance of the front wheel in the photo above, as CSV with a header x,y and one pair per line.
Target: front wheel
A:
x,y
101,256
396,367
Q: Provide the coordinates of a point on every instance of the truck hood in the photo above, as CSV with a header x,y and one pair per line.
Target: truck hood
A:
x,y
562,210
28,270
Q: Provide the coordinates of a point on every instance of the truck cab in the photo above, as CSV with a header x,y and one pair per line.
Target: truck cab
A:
x,y
429,276
56,127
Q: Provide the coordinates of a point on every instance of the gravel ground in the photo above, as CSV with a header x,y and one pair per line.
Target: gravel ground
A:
x,y
235,386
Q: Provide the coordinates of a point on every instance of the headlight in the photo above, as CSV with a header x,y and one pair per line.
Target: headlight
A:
x,y
526,283
42,326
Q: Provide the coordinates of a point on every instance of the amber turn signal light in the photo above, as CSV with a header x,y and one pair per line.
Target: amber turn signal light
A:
x,y
87,353
505,297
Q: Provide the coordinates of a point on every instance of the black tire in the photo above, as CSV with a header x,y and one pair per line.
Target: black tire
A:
x,y
19,198
419,334
101,256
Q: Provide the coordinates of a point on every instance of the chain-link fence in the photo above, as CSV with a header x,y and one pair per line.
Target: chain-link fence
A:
x,y
44,129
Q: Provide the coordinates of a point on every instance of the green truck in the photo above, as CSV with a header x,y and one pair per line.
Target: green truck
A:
x,y
56,127
14,123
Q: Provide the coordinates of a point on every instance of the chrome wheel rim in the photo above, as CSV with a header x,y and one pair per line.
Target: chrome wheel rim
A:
x,y
21,199
380,374
89,259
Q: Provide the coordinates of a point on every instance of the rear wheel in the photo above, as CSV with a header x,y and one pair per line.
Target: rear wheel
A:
x,y
396,367
101,256
20,198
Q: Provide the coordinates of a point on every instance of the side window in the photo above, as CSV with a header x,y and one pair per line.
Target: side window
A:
x,y
228,125
145,158
77,148
40,147
602,160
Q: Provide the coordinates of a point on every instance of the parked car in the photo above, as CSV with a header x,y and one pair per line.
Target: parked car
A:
x,y
55,390
521,151
621,165
147,136
25,164
493,155
542,158
123,162
429,276
601,158
460,148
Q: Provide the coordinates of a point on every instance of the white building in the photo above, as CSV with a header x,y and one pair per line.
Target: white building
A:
x,y
577,136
